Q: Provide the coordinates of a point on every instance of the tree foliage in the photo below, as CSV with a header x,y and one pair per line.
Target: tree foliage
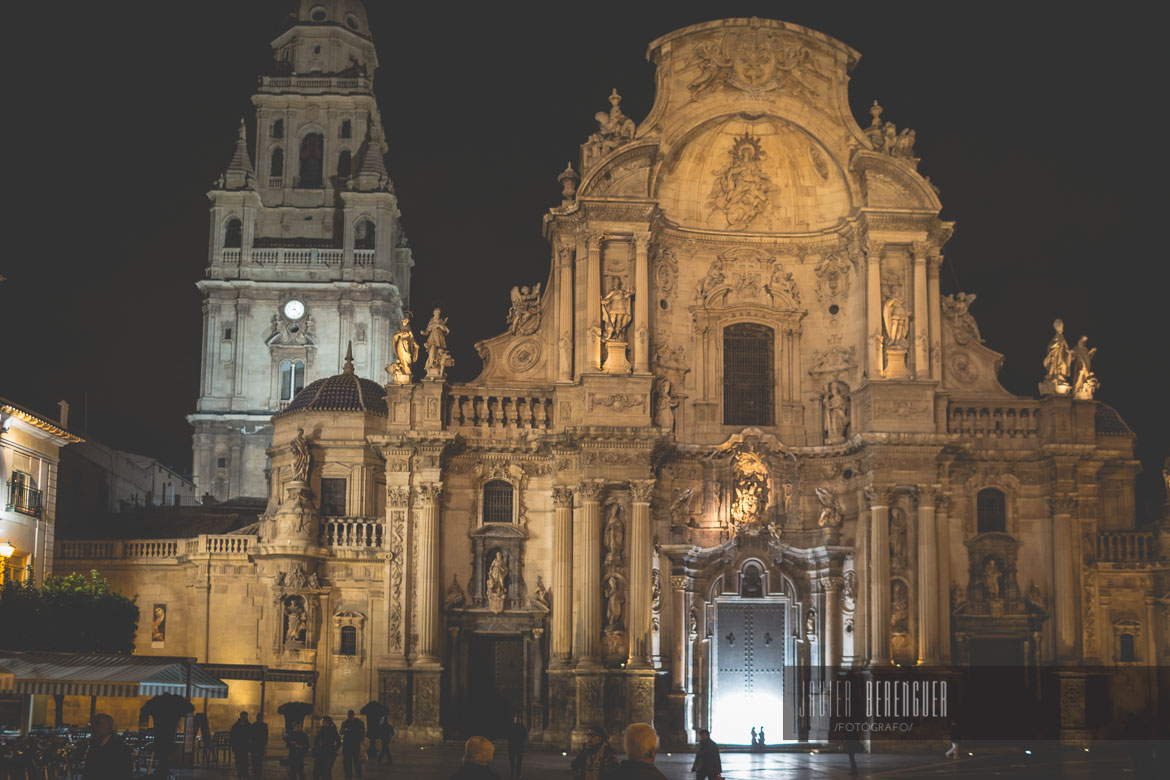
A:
x,y
70,614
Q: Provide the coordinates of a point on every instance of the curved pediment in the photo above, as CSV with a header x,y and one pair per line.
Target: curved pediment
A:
x,y
888,183
625,173
752,174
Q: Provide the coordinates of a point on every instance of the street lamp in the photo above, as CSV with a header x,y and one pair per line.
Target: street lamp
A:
x,y
6,550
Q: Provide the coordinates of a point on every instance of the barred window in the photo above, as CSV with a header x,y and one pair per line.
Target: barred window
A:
x,y
497,502
332,497
747,374
348,640
990,511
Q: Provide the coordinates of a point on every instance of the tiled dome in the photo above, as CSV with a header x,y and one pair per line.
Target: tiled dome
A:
x,y
345,392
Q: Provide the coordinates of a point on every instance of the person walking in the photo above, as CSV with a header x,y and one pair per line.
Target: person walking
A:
x,y
477,754
517,738
325,746
298,747
852,744
240,742
641,749
596,761
259,744
385,734
708,765
353,733
107,757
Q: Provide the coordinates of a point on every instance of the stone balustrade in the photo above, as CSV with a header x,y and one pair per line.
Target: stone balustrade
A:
x,y
363,257
1126,546
1020,420
352,533
221,544
229,255
322,83
469,407
154,549
289,256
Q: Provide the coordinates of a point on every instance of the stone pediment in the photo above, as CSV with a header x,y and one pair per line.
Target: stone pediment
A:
x,y
887,182
625,173
748,277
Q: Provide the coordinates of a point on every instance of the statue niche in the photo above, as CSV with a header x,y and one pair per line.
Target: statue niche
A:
x,y
496,582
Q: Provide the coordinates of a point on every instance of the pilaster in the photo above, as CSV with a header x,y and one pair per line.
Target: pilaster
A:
x,y
641,554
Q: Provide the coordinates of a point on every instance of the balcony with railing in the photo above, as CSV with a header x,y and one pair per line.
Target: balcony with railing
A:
x,y
351,533
1020,420
23,499
316,83
501,410
296,257
1126,546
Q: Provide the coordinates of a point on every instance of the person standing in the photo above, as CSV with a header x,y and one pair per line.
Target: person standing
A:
x,y
298,748
240,741
353,733
641,749
517,738
325,746
596,761
385,733
259,744
477,754
107,757
708,765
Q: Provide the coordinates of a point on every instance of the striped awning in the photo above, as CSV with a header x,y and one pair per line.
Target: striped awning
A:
x,y
83,674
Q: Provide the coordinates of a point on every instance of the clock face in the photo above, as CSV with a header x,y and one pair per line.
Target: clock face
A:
x,y
294,309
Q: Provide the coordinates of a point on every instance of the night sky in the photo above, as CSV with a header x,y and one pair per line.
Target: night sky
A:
x,y
1041,124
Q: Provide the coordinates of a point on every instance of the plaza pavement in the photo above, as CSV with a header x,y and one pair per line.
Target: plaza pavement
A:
x,y
1112,760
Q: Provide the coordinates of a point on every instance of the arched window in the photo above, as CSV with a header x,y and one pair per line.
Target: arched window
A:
x,y
348,641
346,129
363,235
747,374
278,128
312,150
343,164
292,379
233,234
497,501
276,167
990,511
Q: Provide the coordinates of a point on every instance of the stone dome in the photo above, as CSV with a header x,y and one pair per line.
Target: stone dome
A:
x,y
350,14
345,392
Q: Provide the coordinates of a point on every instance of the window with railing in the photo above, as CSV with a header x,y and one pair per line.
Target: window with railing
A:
x,y
747,374
23,496
332,497
292,379
497,501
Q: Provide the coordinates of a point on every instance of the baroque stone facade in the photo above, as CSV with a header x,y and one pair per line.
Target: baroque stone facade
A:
x,y
305,249
739,416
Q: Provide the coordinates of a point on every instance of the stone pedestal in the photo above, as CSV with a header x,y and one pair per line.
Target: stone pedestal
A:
x,y
616,361
589,707
1072,709
896,363
562,708
424,726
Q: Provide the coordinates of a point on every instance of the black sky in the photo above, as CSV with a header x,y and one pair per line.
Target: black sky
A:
x,y
1040,123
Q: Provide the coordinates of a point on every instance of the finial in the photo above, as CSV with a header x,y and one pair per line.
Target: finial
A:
x,y
242,133
614,98
348,368
876,112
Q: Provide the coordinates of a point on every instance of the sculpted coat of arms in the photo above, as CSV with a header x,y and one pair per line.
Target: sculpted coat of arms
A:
x,y
754,61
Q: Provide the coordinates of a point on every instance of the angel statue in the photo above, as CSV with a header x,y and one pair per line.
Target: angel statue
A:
x,y
830,508
1084,380
405,353
524,316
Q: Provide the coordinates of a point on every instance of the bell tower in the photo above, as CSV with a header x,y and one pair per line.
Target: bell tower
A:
x,y
306,251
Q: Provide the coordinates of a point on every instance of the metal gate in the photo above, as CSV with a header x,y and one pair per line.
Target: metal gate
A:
x,y
748,657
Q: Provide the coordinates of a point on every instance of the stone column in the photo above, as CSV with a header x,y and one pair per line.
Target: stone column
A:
x,y
565,314
1065,543
641,555
831,622
932,301
587,577
562,578
943,555
879,564
928,592
593,300
873,311
427,619
861,612
921,315
641,305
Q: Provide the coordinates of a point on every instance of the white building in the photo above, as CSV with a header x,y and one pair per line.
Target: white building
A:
x,y
305,251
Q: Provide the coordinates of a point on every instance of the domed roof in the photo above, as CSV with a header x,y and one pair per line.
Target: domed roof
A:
x,y
350,14
345,392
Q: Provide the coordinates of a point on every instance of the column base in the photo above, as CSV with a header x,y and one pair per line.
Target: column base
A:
x,y
424,725
562,709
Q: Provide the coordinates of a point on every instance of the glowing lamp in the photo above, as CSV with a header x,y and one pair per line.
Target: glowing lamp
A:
x,y
6,549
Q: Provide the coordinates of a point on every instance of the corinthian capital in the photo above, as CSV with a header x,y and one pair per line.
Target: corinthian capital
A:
x,y
397,495
642,242
429,492
879,495
642,490
591,491
1062,503
928,496
562,497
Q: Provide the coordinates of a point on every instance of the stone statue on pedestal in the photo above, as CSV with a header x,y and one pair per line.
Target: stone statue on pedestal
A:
x,y
1084,380
615,311
438,358
1057,362
405,353
302,458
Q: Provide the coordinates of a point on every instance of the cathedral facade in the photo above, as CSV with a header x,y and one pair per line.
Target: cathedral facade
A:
x,y
737,431
305,249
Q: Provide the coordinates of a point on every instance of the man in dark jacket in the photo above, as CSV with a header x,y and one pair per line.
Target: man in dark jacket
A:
x,y
353,733
325,746
259,744
596,760
517,738
707,764
641,748
298,747
240,741
107,757
477,754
